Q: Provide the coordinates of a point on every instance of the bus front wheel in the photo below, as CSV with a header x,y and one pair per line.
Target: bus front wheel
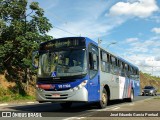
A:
x,y
104,99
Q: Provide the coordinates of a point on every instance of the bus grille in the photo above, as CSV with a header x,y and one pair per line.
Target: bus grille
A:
x,y
64,96
54,81
56,89
56,98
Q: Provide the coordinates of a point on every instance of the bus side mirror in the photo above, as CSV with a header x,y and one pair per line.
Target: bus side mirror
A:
x,y
35,55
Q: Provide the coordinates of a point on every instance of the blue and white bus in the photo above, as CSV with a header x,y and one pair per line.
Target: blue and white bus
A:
x,y
76,69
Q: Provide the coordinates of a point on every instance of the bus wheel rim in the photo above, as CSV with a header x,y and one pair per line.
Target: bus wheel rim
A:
x,y
104,98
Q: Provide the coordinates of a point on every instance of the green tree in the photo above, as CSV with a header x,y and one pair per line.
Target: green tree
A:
x,y
22,28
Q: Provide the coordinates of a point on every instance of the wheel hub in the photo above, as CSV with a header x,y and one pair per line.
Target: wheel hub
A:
x,y
104,99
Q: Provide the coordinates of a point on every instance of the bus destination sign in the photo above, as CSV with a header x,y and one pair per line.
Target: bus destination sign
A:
x,y
63,42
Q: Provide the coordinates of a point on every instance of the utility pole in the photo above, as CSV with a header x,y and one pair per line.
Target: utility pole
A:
x,y
99,41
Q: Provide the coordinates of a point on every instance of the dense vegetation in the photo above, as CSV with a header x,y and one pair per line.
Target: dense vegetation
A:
x,y
22,27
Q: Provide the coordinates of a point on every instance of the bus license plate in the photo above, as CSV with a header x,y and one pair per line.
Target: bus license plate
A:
x,y
56,95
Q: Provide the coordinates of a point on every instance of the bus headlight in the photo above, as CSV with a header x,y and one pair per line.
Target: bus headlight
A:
x,y
84,83
80,85
75,88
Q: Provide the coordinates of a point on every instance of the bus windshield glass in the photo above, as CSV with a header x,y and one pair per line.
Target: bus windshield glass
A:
x,y
62,63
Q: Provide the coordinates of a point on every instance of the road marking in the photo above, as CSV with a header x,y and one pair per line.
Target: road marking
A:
x,y
115,108
80,118
109,108
71,118
5,104
89,114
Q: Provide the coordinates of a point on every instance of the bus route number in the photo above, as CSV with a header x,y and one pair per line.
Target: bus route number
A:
x,y
64,86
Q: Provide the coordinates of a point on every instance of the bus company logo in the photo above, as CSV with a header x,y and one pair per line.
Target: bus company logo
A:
x,y
54,74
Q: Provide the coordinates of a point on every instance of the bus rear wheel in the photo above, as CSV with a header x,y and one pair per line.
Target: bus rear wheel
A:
x,y
104,99
66,105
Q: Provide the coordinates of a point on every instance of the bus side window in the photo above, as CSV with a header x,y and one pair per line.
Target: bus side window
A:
x,y
116,69
137,74
119,67
113,62
123,69
126,70
108,61
104,62
93,61
129,71
134,74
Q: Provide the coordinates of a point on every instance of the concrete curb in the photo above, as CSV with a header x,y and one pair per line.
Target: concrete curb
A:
x,y
5,104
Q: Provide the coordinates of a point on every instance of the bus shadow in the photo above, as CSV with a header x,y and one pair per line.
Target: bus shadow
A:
x,y
55,108
115,102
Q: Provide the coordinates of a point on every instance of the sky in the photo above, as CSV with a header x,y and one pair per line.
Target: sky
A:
x,y
128,28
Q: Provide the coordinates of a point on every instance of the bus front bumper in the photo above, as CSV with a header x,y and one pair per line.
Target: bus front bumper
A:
x,y
80,95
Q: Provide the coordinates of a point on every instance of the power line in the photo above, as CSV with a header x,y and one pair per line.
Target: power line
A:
x,y
148,66
57,17
65,30
60,20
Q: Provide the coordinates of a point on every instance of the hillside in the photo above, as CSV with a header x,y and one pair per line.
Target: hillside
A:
x,y
10,91
147,79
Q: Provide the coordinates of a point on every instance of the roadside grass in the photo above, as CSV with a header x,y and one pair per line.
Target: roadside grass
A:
x,y
9,96
16,98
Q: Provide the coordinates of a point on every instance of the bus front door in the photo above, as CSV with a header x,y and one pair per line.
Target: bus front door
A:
x,y
93,86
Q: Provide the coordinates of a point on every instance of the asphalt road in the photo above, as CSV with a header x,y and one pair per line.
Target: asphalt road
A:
x,y
54,109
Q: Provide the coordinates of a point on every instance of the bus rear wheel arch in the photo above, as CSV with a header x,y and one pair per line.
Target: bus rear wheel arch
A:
x,y
104,99
131,98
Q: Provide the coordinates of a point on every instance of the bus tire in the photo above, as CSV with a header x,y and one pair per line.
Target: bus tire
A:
x,y
66,105
41,101
104,99
131,97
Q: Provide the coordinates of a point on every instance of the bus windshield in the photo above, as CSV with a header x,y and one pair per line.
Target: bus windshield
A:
x,y
62,63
